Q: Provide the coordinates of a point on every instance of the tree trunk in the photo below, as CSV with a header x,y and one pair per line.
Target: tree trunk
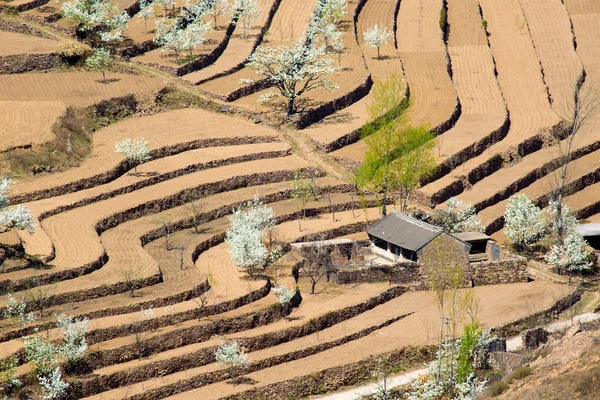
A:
x,y
103,76
330,206
378,54
290,107
384,202
312,287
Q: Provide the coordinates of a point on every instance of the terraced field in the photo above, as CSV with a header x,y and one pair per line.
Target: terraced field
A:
x,y
116,241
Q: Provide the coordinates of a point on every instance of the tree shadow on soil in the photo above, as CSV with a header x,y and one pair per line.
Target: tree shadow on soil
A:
x,y
242,380
108,81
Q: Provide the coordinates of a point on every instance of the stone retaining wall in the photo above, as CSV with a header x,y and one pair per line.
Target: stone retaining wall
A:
x,y
19,63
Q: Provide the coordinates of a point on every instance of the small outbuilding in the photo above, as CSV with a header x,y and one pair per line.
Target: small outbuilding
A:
x,y
591,233
405,237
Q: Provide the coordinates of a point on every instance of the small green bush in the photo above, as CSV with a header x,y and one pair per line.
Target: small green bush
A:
x,y
497,388
520,373
443,20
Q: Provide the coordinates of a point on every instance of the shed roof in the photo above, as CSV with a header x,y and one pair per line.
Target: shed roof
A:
x,y
592,229
471,236
404,231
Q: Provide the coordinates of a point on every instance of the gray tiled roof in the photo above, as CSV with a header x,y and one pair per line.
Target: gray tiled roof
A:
x,y
404,231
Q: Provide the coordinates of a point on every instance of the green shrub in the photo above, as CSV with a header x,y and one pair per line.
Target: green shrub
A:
x,y
444,20
520,373
497,388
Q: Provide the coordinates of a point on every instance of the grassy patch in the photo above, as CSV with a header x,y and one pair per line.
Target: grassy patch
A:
x,y
73,138
520,373
187,60
497,388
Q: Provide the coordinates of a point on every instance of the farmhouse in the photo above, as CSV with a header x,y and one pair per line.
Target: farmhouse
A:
x,y
405,237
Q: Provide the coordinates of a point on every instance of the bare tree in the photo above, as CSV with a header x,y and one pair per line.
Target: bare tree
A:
x,y
167,235
37,296
316,264
140,344
129,277
194,209
583,108
304,189
444,262
201,301
181,250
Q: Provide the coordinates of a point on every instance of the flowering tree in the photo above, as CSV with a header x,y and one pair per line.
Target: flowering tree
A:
x,y
75,346
377,37
247,12
91,14
146,11
283,294
13,218
42,354
332,11
52,385
135,150
217,8
17,309
524,222
442,380
565,224
230,355
293,70
572,256
100,61
457,217
246,233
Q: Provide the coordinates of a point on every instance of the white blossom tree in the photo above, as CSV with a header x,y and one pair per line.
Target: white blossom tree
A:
x,y
53,387
458,216
441,380
376,37
13,218
283,294
572,256
230,355
332,11
90,15
246,234
135,150
170,36
75,346
41,353
195,35
146,11
217,8
293,70
100,61
17,309
565,224
524,223
247,12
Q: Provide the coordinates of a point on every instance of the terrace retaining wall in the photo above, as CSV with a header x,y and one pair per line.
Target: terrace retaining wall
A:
x,y
206,356
328,108
20,27
19,63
